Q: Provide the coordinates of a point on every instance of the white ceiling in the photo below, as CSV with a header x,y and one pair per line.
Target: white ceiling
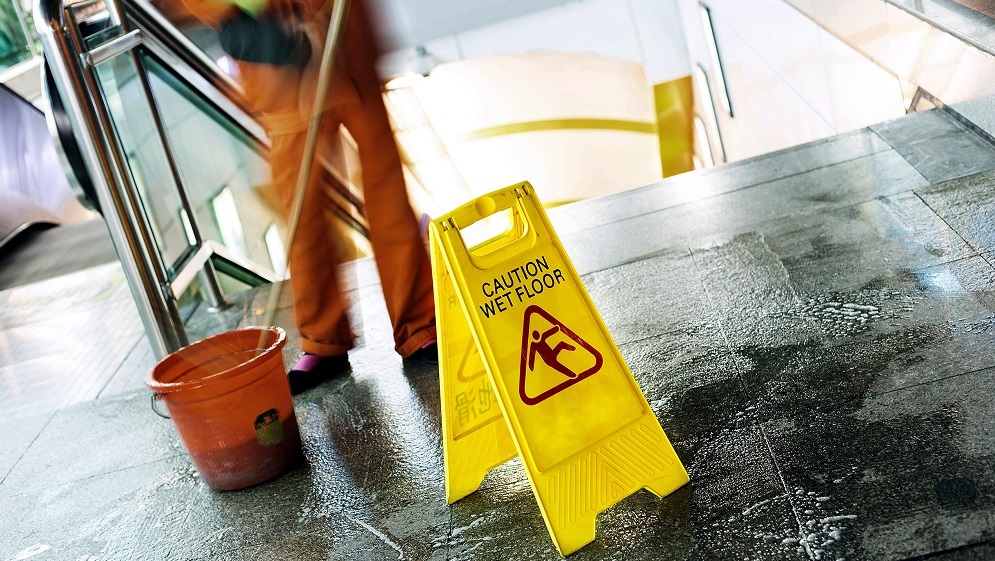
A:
x,y
407,23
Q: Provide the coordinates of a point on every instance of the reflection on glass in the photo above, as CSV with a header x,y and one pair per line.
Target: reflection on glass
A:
x,y
228,222
187,227
277,253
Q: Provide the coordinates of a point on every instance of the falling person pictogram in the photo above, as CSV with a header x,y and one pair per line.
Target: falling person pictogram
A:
x,y
580,361
550,355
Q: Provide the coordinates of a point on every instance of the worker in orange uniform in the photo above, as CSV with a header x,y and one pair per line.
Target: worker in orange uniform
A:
x,y
278,50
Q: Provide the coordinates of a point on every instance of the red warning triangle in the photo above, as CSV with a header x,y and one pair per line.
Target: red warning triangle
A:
x,y
543,342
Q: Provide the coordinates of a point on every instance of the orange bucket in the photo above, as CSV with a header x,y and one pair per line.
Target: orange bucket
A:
x,y
231,402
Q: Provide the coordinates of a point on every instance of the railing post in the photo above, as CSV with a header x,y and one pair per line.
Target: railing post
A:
x,y
108,169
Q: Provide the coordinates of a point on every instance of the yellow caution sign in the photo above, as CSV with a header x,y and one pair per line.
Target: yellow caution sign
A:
x,y
527,367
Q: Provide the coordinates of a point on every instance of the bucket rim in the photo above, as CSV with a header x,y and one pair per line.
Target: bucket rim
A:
x,y
160,388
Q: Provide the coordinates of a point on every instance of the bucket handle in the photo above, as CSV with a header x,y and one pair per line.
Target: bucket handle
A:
x,y
155,398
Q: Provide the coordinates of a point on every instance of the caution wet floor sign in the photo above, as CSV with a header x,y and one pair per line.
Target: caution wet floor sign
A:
x,y
528,368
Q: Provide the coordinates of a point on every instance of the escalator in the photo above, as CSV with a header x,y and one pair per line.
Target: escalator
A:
x,y
160,140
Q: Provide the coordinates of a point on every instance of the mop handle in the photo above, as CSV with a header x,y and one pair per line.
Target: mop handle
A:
x,y
314,125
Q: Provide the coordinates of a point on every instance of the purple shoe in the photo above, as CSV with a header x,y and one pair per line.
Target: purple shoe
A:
x,y
311,370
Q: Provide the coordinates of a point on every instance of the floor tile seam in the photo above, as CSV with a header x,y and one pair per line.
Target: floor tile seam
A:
x,y
784,486
743,387
82,386
449,531
945,552
51,416
743,188
953,261
969,125
899,152
80,480
100,393
84,382
631,261
977,250
62,276
930,382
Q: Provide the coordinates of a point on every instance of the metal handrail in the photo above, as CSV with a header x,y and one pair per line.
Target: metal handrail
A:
x,y
146,16
161,30
105,162
73,65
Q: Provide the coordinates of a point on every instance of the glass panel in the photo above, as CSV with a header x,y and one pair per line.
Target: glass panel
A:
x,y
14,46
146,156
95,22
225,172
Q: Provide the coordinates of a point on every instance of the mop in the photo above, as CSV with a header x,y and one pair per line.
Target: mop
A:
x,y
335,24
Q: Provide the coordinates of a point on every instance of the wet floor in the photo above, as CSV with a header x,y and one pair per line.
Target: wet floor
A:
x,y
815,330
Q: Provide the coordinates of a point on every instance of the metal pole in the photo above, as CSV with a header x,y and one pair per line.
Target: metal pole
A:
x,y
208,275
135,247
335,24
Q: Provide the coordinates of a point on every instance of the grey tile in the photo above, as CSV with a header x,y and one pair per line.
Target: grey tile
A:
x,y
204,322
967,205
836,275
91,439
714,220
733,507
703,184
897,475
949,157
74,372
78,292
130,375
662,293
973,552
909,129
161,510
748,287
851,247
974,274
19,432
913,342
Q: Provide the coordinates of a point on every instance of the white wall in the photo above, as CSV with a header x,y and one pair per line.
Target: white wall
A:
x,y
955,71
789,80
645,31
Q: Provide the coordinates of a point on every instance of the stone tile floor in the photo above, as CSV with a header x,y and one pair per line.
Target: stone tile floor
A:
x,y
814,328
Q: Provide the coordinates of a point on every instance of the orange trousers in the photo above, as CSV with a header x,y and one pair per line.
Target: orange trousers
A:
x,y
401,258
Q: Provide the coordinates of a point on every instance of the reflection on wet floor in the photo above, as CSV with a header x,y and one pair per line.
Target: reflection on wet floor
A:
x,y
815,330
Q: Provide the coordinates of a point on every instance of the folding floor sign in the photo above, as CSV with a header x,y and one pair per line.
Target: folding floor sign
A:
x,y
527,367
